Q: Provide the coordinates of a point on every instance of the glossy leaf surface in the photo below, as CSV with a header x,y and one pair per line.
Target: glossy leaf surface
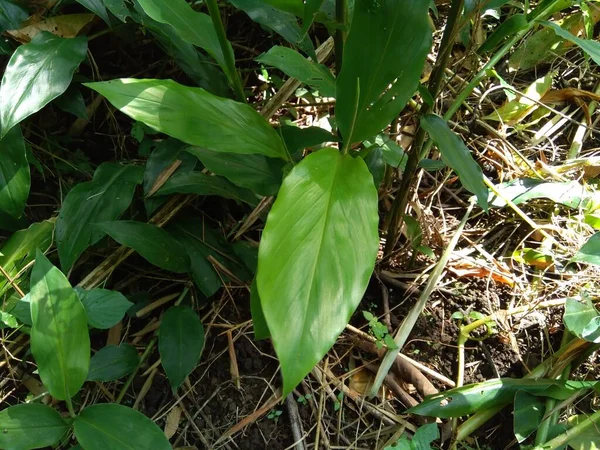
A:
x,y
104,308
154,244
217,123
102,199
15,178
60,340
30,426
36,74
180,343
387,45
316,256
117,427
113,362
456,155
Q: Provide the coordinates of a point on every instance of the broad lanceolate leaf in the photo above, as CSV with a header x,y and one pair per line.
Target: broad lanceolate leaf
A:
x,y
193,115
205,184
528,414
455,154
387,45
110,426
468,399
19,250
102,199
589,252
60,341
180,342
15,178
592,48
260,174
154,244
104,308
36,74
297,66
113,362
30,426
97,7
316,256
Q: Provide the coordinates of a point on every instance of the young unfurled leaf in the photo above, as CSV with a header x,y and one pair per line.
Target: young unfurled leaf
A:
x,y
180,343
30,425
113,362
154,244
15,178
193,115
102,199
60,341
456,154
387,45
109,426
104,308
297,66
316,256
36,74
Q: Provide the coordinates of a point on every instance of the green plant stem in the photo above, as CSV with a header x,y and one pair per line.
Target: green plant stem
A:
x,y
435,81
564,438
145,355
70,408
234,76
341,17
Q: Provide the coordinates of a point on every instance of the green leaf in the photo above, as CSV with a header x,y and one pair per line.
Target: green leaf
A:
x,y
468,399
393,154
590,47
258,173
36,74
15,178
582,319
60,341
528,414
297,138
113,362
216,123
424,436
154,244
281,22
261,329
589,252
30,426
383,58
311,8
191,26
72,102
456,155
98,8
162,157
321,241
104,308
110,426
180,343
297,66
102,199
374,159
568,193
11,15
19,250
588,439
509,27
201,183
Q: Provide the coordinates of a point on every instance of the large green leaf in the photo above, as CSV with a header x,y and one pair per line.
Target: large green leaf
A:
x,y
60,341
180,343
205,184
19,250
260,174
11,15
281,22
110,426
456,155
15,178
589,438
468,399
193,115
528,414
104,308
36,74
592,48
30,426
590,251
156,245
102,199
297,66
113,362
383,59
316,256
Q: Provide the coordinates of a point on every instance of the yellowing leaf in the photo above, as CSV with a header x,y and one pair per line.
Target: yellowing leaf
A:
x,y
67,26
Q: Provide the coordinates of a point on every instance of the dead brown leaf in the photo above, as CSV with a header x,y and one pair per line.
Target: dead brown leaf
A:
x,y
466,269
172,423
68,26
